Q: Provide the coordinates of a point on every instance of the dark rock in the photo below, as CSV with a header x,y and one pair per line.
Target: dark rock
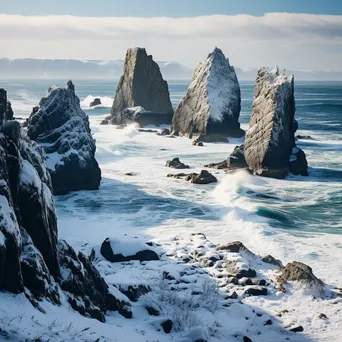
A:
x,y
147,130
131,174
234,295
164,131
104,122
234,247
219,166
6,112
298,164
152,311
62,128
197,112
95,102
233,280
197,142
270,138
297,328
246,281
175,163
178,175
110,255
253,291
126,312
249,273
269,259
237,160
167,326
142,85
134,292
260,282
298,271
204,177
304,137
247,339
268,322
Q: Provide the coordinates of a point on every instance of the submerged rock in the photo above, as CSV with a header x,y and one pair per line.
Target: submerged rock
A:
x,y
141,86
212,103
95,102
270,138
62,128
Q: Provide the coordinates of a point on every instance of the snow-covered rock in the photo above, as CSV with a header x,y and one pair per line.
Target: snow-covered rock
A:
x,y
270,138
142,84
60,126
212,103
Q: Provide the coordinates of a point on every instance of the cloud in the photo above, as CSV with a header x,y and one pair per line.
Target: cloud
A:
x,y
91,37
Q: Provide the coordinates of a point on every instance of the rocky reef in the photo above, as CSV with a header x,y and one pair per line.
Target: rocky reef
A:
x,y
142,94
62,128
270,149
212,103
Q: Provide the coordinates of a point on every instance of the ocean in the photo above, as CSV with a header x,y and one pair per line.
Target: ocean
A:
x,y
298,218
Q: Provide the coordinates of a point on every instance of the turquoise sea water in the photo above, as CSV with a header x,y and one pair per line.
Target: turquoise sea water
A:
x,y
299,204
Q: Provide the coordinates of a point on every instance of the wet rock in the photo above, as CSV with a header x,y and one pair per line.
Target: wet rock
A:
x,y
175,163
212,103
95,102
204,177
109,253
298,164
142,85
219,166
304,137
142,130
179,175
237,160
297,328
104,122
164,131
233,247
197,142
61,127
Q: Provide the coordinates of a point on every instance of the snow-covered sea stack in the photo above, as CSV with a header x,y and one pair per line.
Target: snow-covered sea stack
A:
x,y
270,148
142,94
212,103
62,128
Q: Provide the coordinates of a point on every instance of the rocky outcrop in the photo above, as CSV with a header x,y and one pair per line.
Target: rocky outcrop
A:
x,y
141,87
204,177
62,128
6,112
270,139
237,160
212,103
95,102
175,163
31,261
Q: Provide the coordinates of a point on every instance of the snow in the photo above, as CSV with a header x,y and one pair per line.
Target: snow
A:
x,y
8,219
29,175
128,247
2,239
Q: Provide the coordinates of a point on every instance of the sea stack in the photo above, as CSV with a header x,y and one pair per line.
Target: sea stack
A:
x,y
270,148
212,103
6,112
62,129
142,94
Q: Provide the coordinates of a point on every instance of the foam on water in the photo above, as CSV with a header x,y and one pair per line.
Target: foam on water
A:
x,y
106,101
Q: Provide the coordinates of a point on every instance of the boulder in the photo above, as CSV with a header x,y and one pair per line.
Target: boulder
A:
x,y
212,103
62,128
270,137
164,131
141,86
237,160
175,163
120,250
204,177
219,165
298,271
95,102
298,164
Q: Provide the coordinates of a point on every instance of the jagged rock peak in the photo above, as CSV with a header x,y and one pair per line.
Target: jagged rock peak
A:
x,y
213,100
270,139
141,85
6,112
61,126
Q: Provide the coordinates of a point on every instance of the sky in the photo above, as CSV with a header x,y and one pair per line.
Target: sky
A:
x,y
305,34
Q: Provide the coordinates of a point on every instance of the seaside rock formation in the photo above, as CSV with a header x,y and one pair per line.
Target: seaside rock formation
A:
x,y
175,163
95,102
62,128
212,103
142,94
237,160
270,139
6,112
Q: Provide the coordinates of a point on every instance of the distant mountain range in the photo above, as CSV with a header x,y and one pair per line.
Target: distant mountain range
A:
x,y
112,69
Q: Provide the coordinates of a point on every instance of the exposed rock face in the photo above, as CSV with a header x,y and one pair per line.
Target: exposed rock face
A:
x,y
141,85
270,138
6,112
175,163
212,103
237,160
204,177
62,128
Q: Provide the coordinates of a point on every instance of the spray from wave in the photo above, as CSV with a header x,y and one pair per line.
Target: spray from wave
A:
x,y
23,102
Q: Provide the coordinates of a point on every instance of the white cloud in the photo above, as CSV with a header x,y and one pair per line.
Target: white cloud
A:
x,y
293,40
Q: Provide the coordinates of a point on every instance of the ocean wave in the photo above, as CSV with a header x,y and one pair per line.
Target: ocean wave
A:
x,y
23,102
106,101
